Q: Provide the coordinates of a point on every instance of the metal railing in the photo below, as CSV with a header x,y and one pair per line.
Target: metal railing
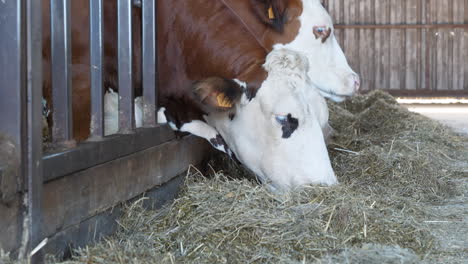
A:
x,y
21,96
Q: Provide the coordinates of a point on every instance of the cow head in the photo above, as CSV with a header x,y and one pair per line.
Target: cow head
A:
x,y
278,133
308,28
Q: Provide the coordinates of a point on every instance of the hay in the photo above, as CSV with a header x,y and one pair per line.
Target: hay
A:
x,y
392,164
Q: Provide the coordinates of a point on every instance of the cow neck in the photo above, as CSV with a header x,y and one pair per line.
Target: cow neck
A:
x,y
251,31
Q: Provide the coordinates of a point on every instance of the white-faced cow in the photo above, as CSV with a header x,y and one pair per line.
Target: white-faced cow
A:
x,y
210,59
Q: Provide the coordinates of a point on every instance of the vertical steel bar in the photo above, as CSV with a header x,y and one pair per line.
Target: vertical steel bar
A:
x,y
11,73
61,70
150,71
34,125
97,91
126,103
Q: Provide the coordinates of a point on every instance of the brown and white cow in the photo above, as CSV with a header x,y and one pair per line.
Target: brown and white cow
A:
x,y
199,39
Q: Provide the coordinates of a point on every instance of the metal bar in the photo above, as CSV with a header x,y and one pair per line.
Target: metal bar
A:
x,y
11,73
34,125
150,71
97,91
12,94
61,70
126,103
402,26
89,154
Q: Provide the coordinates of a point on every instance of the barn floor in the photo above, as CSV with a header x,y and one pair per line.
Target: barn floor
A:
x,y
451,228
455,116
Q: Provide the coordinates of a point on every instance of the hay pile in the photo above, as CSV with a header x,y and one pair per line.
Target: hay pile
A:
x,y
391,165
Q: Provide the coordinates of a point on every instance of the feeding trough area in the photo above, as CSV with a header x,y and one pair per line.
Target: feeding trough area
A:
x,y
400,200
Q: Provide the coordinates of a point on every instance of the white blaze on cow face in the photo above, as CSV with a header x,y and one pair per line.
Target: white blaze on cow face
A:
x,y
329,69
278,134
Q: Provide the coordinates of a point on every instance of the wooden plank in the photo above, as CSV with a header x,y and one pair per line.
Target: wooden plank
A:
x,y
412,51
88,154
334,8
382,45
458,59
396,50
103,224
366,46
431,51
71,199
465,48
450,47
350,36
442,45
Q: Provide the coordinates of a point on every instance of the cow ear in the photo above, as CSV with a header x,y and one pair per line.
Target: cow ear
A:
x,y
217,94
270,12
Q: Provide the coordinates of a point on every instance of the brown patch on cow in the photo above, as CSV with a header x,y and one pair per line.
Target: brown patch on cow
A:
x,y
291,26
320,32
254,14
270,12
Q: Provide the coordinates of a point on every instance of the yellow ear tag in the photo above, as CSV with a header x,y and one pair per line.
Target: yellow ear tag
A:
x,y
223,101
271,15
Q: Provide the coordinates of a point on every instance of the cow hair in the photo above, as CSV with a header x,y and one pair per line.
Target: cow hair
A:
x,y
285,60
260,8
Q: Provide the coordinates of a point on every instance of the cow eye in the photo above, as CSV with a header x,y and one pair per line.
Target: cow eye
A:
x,y
281,119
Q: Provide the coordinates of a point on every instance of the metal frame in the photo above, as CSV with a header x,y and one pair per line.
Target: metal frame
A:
x,y
21,106
21,98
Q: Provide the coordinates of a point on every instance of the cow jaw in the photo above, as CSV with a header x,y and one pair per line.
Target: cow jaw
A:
x,y
329,69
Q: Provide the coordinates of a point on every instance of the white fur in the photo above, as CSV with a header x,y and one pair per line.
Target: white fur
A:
x,y
162,116
329,69
256,138
111,112
202,129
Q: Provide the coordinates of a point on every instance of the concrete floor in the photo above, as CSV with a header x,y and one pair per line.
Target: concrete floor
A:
x,y
455,116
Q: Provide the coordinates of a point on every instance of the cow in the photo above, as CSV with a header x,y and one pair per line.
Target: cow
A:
x,y
212,73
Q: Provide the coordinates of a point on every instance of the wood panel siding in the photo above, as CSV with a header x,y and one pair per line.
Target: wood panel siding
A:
x,y
405,45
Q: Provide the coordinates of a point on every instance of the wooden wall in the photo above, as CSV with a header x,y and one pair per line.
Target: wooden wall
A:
x,y
414,58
